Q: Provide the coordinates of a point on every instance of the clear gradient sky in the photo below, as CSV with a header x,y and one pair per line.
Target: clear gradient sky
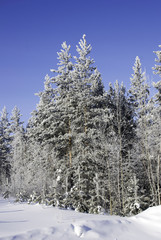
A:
x,y
32,31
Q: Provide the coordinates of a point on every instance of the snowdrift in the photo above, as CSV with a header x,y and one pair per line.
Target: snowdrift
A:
x,y
38,222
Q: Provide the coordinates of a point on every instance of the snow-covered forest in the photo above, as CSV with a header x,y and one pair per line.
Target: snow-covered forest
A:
x,y
85,148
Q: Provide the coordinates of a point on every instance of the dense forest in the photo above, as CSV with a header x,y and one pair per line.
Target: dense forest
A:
x,y
85,148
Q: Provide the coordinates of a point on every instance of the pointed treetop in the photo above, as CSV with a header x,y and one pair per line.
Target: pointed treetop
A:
x,y
97,85
15,118
157,68
84,64
137,77
64,53
137,66
4,118
4,113
83,49
139,90
64,57
47,94
15,112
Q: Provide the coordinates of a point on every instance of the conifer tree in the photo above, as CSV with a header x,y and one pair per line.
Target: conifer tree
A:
x,y
62,124
4,148
51,128
89,118
154,127
124,127
157,70
39,143
157,124
17,153
139,90
139,95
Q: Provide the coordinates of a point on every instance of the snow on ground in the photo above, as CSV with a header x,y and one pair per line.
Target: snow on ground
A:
x,y
39,222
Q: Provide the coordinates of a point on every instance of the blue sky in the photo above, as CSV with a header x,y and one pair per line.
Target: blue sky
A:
x,y
32,31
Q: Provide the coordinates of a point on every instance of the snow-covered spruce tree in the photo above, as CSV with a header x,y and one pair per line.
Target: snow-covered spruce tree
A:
x,y
88,118
133,200
64,137
139,93
139,90
103,144
154,129
124,127
105,148
17,153
38,121
157,124
157,70
4,150
50,127
39,145
61,126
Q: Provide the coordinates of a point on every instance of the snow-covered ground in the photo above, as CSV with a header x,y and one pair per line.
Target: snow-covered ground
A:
x,y
38,222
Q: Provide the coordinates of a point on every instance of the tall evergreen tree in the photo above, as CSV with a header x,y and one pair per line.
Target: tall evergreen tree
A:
x,y
124,127
154,143
63,113
4,149
89,118
139,95
157,70
50,127
157,123
139,90
39,143
17,153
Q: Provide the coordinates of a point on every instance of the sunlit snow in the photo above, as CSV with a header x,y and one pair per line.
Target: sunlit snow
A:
x,y
37,222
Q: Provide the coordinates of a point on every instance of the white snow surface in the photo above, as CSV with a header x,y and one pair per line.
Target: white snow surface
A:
x,y
39,222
